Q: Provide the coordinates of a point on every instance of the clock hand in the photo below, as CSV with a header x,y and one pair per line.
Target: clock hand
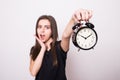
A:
x,y
89,36
83,37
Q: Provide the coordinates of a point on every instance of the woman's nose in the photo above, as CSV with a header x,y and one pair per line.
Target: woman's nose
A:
x,y
43,29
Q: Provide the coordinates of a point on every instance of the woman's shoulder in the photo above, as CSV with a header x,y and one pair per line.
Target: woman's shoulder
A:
x,y
57,42
31,50
60,52
58,46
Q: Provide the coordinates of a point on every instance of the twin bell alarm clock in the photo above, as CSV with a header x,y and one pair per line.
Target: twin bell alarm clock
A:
x,y
84,36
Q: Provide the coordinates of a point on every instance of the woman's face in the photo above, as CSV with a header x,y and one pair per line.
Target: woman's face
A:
x,y
44,30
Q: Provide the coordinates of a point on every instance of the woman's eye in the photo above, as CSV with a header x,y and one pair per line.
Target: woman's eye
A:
x,y
39,26
47,27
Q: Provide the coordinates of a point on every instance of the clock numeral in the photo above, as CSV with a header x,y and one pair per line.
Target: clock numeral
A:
x,y
81,44
93,37
89,44
84,30
78,34
92,40
88,30
77,39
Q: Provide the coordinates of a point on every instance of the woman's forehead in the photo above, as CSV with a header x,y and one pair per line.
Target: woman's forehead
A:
x,y
44,21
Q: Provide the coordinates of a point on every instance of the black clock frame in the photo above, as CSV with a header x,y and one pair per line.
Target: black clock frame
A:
x,y
77,28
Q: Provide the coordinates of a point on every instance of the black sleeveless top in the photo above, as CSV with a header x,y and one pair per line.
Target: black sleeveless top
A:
x,y
50,72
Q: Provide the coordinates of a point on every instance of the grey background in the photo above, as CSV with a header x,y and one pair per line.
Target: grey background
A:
x,y
17,25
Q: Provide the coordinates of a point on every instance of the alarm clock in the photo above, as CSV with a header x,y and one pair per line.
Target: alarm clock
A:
x,y
84,36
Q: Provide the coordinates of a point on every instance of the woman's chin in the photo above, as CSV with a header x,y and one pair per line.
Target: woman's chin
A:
x,y
44,40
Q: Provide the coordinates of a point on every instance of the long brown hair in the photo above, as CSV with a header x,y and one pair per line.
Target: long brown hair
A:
x,y
36,48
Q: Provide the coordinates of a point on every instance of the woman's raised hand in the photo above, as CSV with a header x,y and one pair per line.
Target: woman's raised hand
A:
x,y
42,44
82,15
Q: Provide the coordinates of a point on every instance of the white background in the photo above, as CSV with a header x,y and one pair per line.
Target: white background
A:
x,y
17,27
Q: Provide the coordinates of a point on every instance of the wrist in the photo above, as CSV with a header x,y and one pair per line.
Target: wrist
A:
x,y
72,21
43,48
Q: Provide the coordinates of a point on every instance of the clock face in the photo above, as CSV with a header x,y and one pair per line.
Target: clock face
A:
x,y
86,38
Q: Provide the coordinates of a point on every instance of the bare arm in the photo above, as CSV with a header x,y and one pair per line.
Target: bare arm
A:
x,y
36,65
66,35
79,15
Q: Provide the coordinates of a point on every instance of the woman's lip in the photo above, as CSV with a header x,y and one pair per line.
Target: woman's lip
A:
x,y
42,36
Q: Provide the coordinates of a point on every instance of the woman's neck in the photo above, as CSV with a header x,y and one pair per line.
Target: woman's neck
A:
x,y
48,44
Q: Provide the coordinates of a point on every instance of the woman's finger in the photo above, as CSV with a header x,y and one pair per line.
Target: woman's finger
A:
x,y
90,13
75,18
40,42
83,15
36,38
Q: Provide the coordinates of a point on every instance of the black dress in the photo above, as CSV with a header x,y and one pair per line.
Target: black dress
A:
x,y
50,72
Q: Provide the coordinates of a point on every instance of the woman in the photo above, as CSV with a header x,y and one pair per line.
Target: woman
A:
x,y
48,56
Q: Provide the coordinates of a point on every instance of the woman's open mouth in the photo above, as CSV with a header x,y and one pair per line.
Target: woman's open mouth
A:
x,y
42,36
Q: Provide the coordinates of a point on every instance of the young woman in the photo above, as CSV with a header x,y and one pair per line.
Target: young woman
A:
x,y
48,56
